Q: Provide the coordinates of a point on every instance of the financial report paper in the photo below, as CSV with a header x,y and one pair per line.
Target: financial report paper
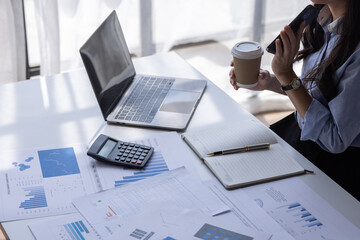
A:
x,y
107,211
42,182
301,211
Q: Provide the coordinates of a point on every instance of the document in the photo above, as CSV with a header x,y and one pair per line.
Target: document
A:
x,y
70,227
42,182
302,212
246,167
169,153
107,211
169,221
245,209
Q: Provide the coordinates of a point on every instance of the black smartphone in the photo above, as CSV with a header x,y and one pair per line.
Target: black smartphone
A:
x,y
308,14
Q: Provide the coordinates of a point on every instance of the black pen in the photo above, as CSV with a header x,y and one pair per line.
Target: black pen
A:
x,y
254,147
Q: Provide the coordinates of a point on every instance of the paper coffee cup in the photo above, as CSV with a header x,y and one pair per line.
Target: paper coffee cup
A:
x,y
247,60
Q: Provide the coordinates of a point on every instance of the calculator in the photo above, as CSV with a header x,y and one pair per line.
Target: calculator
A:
x,y
122,153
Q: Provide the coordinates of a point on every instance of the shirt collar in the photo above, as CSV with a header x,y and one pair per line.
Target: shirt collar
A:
x,y
335,26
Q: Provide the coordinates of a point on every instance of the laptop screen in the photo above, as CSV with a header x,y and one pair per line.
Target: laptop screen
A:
x,y
108,63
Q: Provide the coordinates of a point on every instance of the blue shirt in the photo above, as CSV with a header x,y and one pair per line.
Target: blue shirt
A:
x,y
333,125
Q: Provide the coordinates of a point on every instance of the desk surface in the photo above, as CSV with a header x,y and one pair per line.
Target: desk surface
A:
x,y
62,109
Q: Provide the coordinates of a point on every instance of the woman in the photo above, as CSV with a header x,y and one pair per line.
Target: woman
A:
x,y
325,127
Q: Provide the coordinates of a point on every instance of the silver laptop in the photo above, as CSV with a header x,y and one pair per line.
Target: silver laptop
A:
x,y
125,97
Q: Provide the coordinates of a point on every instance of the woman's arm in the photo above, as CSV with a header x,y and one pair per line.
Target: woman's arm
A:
x,y
282,65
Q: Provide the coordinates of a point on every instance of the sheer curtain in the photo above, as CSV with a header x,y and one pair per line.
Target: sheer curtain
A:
x,y
152,26
12,39
63,26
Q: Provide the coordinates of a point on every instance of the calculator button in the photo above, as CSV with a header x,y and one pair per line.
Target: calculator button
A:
x,y
122,159
133,161
139,162
117,158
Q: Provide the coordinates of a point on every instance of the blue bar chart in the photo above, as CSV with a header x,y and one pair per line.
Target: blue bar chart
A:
x,y
37,198
155,166
300,216
76,230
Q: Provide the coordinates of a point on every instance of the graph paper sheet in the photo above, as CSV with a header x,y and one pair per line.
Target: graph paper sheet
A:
x,y
42,182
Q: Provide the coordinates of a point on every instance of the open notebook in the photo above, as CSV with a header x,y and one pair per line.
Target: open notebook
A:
x,y
246,168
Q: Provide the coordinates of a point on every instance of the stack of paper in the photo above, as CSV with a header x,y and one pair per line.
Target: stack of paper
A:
x,y
166,200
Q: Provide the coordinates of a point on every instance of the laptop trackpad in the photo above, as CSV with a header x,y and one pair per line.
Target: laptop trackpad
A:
x,y
179,101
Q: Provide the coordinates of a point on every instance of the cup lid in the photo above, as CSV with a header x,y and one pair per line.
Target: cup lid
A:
x,y
247,50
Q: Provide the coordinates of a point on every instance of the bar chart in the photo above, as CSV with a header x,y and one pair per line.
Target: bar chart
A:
x,y
300,215
76,230
155,166
297,220
37,198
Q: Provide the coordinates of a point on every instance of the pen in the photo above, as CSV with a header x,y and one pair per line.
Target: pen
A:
x,y
254,147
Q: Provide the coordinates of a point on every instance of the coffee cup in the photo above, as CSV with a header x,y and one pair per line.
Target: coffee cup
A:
x,y
247,60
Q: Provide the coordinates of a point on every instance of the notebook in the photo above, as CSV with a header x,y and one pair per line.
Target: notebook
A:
x,y
128,98
245,168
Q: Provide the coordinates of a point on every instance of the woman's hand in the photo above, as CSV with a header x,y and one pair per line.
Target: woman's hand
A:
x,y
282,63
266,81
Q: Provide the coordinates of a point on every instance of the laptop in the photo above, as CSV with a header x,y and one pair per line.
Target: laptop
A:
x,y
128,98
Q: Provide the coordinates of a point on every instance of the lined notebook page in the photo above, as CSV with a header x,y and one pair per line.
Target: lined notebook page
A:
x,y
222,137
252,167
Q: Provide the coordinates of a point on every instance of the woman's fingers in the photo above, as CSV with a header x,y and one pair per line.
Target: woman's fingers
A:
x,y
286,40
232,79
279,49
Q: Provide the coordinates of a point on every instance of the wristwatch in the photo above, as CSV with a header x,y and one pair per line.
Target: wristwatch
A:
x,y
294,84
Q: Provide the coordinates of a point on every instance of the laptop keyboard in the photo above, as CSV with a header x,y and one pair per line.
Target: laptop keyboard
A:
x,y
145,100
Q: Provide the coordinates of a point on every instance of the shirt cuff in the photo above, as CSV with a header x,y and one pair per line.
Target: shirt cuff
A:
x,y
314,121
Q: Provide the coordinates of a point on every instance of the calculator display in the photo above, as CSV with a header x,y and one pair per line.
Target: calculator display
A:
x,y
107,148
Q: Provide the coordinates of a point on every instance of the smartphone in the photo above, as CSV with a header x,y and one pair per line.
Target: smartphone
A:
x,y
308,14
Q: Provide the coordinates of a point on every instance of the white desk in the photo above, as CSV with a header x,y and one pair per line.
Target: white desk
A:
x,y
62,109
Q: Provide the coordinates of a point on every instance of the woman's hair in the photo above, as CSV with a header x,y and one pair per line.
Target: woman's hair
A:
x,y
313,39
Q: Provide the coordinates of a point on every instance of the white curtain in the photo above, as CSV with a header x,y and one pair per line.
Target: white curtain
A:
x,y
63,26
47,19
12,42
151,26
